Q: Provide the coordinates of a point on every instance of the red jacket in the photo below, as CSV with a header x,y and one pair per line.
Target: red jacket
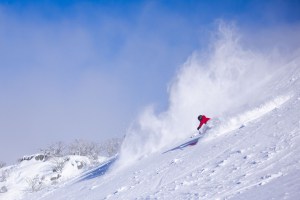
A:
x,y
204,120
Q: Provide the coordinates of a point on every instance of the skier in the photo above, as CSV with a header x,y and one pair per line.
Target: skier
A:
x,y
203,120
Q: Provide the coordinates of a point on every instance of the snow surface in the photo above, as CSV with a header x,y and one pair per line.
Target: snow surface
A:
x,y
21,175
258,161
253,151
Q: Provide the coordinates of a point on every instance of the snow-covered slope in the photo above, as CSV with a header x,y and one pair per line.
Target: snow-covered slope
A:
x,y
254,155
35,172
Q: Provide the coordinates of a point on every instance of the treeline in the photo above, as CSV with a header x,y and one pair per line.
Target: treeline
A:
x,y
90,149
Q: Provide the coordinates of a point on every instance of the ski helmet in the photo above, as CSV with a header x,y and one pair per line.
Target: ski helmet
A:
x,y
199,117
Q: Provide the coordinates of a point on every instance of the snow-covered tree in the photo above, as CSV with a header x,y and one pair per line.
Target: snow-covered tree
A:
x,y
35,184
84,148
111,147
55,150
2,164
58,163
4,175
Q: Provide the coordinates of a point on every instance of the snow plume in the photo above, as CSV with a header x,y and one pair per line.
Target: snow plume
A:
x,y
217,83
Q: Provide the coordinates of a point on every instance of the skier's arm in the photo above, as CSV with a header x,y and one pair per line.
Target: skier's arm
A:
x,y
200,125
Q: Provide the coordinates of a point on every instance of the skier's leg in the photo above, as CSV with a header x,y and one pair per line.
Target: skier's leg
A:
x,y
203,129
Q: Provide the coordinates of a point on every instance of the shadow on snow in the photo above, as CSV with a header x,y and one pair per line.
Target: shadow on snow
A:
x,y
192,142
98,171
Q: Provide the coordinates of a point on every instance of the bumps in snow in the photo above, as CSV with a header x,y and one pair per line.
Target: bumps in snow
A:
x,y
3,189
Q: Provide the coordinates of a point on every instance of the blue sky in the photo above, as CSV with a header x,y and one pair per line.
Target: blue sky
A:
x,y
86,69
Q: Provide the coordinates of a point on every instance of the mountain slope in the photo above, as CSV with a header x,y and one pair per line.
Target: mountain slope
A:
x,y
254,154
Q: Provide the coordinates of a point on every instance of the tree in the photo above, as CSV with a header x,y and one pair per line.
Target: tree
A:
x,y
111,147
58,164
4,175
54,150
84,148
2,164
35,184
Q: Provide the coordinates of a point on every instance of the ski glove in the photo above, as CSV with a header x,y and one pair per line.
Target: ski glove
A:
x,y
198,128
